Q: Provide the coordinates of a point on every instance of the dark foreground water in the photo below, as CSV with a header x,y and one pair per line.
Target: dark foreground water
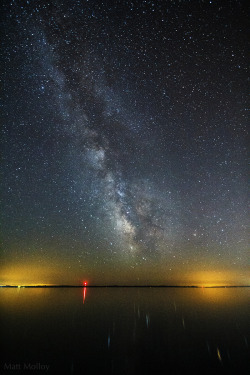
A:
x,y
124,331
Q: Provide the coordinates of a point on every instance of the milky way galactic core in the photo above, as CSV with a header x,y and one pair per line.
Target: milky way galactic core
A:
x,y
124,142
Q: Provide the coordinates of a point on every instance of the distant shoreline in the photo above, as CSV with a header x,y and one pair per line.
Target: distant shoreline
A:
x,y
123,286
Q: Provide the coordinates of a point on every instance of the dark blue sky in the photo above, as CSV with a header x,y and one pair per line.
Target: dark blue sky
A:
x,y
124,142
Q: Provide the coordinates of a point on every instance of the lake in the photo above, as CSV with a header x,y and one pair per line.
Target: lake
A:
x,y
124,330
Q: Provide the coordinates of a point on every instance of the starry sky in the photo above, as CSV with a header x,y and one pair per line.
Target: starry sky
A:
x,y
124,142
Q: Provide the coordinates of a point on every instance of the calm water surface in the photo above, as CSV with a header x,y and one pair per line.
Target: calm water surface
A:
x,y
125,331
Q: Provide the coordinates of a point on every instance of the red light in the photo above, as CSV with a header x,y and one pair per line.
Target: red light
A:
x,y
85,283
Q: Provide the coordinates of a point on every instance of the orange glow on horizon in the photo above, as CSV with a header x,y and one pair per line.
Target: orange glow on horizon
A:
x,y
221,278
32,274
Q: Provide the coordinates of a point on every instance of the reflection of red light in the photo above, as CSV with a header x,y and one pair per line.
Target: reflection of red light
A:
x,y
84,295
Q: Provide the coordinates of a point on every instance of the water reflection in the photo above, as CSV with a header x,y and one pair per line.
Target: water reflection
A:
x,y
84,293
127,331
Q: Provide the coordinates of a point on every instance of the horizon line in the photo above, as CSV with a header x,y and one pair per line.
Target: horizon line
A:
x,y
122,286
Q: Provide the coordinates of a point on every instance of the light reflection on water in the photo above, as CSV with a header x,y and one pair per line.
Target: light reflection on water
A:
x,y
84,293
126,330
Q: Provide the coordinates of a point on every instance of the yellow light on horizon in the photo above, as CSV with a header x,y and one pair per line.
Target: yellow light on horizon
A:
x,y
213,278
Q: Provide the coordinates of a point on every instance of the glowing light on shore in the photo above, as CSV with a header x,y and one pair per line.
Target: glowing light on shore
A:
x,y
213,278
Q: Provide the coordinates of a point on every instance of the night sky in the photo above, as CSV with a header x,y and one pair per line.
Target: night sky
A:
x,y
124,142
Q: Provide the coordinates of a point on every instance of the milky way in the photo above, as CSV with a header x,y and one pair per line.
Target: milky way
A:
x,y
124,138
